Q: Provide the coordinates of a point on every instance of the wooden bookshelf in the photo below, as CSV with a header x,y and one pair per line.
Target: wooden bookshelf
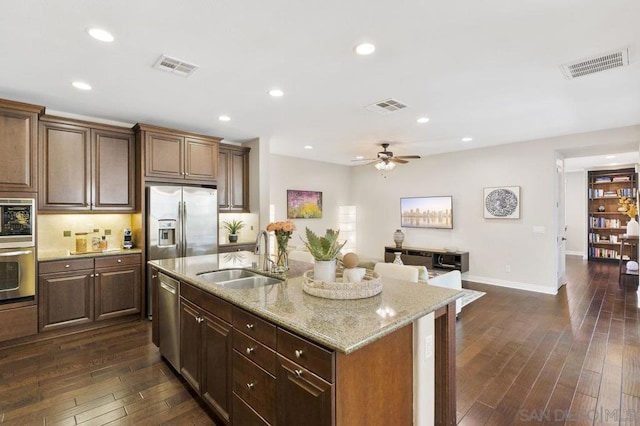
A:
x,y
607,225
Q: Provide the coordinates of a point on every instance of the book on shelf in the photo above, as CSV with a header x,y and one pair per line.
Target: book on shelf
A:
x,y
621,179
626,192
602,179
601,222
603,253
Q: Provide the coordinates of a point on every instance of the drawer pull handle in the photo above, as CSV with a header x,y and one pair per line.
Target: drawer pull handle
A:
x,y
250,386
250,326
97,275
298,373
67,266
298,353
119,260
199,319
92,275
250,350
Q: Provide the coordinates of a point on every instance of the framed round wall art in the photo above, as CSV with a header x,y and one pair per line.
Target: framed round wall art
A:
x,y
502,202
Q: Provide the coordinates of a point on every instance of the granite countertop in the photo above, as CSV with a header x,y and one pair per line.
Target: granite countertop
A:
x,y
65,254
342,325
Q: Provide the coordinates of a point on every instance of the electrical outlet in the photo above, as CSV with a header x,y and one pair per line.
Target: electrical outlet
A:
x,y
507,268
252,227
66,233
107,232
96,230
428,346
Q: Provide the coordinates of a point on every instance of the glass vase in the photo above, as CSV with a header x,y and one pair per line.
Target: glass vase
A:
x,y
282,257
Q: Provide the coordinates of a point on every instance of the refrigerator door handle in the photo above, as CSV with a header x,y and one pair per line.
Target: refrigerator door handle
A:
x,y
184,227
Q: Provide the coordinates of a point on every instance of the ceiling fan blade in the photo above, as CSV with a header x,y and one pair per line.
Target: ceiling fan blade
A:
x,y
365,159
398,160
408,157
374,162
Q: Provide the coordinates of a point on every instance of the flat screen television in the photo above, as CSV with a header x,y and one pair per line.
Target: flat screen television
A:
x,y
427,212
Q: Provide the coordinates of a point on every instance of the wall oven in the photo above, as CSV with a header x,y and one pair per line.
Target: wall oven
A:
x,y
17,249
17,274
17,222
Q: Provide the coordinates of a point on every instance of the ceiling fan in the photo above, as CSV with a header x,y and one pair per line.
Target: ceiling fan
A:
x,y
386,160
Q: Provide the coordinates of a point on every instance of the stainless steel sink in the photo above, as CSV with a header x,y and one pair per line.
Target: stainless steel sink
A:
x,y
238,279
250,282
227,275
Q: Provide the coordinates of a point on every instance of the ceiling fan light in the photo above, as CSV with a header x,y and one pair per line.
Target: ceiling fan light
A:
x,y
384,165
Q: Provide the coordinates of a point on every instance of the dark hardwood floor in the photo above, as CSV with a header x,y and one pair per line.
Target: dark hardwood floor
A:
x,y
522,358
573,358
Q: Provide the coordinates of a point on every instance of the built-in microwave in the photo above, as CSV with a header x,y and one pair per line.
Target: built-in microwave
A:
x,y
17,222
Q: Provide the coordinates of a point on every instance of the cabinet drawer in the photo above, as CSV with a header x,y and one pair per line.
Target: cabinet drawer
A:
x,y
211,303
255,327
243,415
310,356
65,265
255,351
255,386
110,261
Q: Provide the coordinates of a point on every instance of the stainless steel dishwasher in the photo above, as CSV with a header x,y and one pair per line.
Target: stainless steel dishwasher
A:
x,y
169,321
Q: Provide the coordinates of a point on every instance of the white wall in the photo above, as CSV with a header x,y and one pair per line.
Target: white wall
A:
x,y
576,212
492,243
332,180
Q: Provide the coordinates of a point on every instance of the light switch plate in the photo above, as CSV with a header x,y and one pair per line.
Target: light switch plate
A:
x,y
66,233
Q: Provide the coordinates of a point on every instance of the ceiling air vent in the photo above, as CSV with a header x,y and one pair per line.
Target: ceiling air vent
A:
x,y
175,66
619,58
386,107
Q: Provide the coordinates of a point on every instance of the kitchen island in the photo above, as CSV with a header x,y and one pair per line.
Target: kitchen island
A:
x,y
367,345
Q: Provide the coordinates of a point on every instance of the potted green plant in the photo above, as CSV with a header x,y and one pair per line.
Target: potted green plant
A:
x,y
232,228
324,250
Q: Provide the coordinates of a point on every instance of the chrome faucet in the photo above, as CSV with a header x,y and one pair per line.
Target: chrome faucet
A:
x,y
265,264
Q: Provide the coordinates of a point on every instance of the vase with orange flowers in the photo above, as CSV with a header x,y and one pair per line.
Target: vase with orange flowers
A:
x,y
283,231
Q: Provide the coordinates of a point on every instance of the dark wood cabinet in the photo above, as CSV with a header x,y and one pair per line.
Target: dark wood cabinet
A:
x,y
80,291
233,179
65,293
205,351
84,168
175,156
216,370
18,138
432,259
303,398
117,288
113,170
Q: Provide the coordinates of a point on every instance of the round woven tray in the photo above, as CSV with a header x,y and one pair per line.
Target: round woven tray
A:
x,y
370,285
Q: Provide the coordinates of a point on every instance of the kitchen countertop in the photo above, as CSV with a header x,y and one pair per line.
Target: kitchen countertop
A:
x,y
342,325
44,255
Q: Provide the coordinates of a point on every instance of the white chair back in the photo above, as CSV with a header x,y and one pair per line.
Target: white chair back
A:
x,y
301,256
400,272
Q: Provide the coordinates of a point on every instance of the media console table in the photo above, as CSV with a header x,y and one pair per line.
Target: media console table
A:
x,y
437,259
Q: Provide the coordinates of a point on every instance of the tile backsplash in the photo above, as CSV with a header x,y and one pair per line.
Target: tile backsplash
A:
x,y
247,234
53,229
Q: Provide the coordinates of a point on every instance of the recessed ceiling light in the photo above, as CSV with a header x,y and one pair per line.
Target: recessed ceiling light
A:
x,y
609,157
224,118
100,34
422,120
276,93
81,85
467,139
364,49
308,147
359,157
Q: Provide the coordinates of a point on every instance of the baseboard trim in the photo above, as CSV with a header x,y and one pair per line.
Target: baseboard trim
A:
x,y
512,284
575,253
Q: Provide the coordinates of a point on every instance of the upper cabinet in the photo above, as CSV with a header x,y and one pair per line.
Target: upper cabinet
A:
x,y
18,138
85,166
233,179
175,156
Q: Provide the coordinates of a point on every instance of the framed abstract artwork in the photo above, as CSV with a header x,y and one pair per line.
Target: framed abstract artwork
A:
x,y
304,204
502,202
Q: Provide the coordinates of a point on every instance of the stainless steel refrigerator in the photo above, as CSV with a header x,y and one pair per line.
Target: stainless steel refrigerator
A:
x,y
182,221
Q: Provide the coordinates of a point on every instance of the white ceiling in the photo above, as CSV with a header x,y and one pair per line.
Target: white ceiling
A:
x,y
486,69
